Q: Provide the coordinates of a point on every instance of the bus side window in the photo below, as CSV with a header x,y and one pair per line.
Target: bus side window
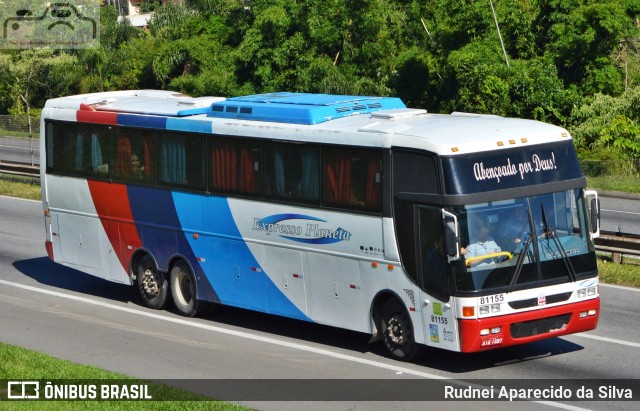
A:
x,y
134,155
352,178
292,172
181,160
235,166
55,140
87,151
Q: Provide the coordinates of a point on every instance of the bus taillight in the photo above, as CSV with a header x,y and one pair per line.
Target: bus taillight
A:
x,y
49,246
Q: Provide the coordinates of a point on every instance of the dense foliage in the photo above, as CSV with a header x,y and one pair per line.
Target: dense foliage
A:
x,y
574,63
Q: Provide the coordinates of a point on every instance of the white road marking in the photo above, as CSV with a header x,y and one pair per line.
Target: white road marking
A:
x,y
267,340
610,340
21,199
621,212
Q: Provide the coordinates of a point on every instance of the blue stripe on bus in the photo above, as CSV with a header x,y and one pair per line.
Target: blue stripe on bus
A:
x,y
196,126
230,265
136,120
156,211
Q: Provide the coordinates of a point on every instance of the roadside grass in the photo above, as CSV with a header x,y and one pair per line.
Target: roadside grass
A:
x,y
17,186
20,134
21,364
628,184
627,274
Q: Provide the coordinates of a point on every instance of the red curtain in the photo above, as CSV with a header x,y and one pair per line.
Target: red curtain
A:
x,y
123,156
338,174
147,159
233,168
372,193
247,173
224,167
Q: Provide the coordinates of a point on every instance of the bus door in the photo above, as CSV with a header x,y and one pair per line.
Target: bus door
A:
x,y
438,310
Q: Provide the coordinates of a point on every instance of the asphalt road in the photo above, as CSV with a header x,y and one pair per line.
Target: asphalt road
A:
x,y
65,313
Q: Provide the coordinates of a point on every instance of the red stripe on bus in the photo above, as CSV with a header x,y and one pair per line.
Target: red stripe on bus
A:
x,y
116,218
97,117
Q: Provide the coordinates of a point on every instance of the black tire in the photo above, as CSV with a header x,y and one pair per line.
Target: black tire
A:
x,y
397,332
152,284
184,291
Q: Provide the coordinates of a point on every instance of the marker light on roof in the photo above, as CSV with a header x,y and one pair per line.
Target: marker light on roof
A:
x,y
454,149
512,141
500,144
524,140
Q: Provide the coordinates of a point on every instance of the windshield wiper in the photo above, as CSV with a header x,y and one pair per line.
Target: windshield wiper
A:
x,y
520,262
550,233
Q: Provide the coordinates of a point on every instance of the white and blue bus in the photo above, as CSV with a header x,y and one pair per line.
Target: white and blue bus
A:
x,y
349,211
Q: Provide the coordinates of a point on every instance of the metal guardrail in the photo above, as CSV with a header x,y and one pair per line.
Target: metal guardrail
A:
x,y
618,244
19,169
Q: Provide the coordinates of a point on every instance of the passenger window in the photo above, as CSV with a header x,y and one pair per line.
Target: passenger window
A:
x,y
87,151
292,171
352,178
55,139
134,155
235,166
181,160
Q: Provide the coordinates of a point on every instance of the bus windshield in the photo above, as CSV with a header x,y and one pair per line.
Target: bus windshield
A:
x,y
524,242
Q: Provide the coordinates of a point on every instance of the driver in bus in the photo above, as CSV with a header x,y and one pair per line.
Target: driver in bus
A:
x,y
482,245
512,232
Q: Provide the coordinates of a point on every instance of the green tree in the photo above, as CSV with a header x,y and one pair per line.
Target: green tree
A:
x,y
588,121
581,36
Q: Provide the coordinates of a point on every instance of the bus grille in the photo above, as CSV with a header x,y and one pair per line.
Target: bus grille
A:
x,y
533,302
541,326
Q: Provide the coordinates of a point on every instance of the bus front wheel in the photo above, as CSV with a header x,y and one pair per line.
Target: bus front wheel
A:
x,y
152,284
397,331
183,287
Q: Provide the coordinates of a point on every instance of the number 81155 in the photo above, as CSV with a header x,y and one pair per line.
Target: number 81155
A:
x,y
492,299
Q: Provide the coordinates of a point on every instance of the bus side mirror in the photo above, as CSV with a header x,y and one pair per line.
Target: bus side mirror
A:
x,y
451,235
594,206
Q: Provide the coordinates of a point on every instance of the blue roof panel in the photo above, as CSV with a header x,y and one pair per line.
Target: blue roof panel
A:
x,y
300,108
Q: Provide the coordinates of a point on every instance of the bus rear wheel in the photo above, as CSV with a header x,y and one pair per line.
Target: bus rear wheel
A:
x,y
183,287
397,331
152,284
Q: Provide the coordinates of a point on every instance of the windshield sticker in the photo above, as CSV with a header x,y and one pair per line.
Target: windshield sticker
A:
x,y
511,168
536,165
300,228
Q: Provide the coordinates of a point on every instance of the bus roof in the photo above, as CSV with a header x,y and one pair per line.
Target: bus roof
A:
x,y
300,108
347,120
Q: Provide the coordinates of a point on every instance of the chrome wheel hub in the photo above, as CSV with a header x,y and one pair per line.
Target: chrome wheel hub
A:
x,y
396,330
149,283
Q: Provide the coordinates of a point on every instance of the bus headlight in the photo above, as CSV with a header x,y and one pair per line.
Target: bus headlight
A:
x,y
492,308
584,292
